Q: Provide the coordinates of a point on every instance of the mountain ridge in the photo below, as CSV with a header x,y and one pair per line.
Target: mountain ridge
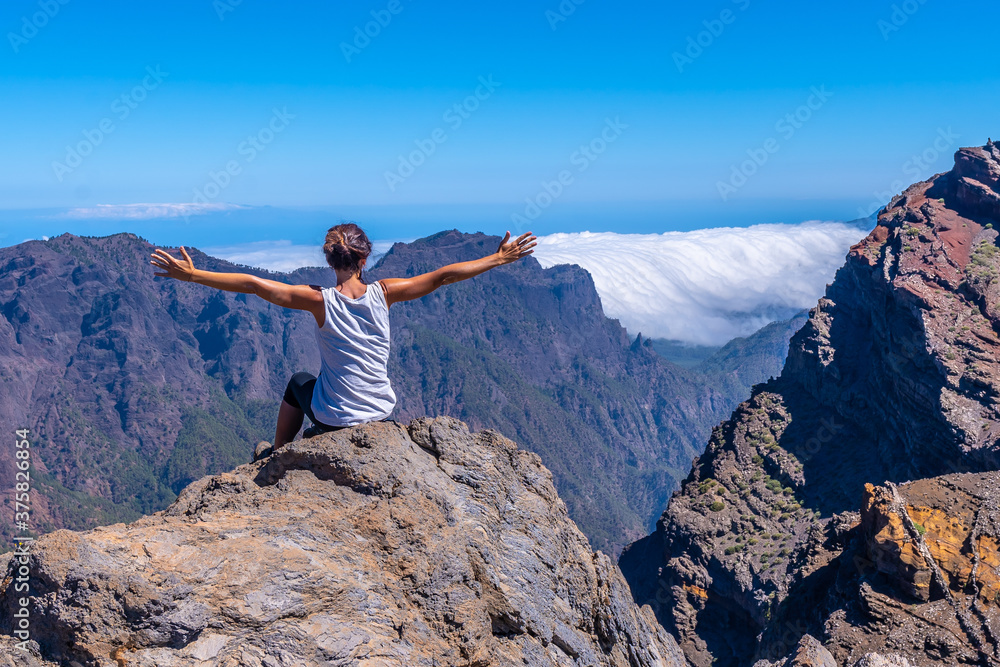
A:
x,y
778,539
123,378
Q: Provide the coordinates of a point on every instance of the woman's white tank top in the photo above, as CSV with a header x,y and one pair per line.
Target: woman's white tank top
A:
x,y
353,385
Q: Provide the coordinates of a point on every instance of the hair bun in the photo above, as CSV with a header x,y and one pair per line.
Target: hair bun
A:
x,y
346,247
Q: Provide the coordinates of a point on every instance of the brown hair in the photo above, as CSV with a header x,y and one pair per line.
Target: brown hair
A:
x,y
346,246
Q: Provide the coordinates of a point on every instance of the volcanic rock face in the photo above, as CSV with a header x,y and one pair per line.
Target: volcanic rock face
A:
x,y
375,545
792,524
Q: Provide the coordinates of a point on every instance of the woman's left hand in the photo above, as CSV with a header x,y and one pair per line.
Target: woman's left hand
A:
x,y
511,251
174,268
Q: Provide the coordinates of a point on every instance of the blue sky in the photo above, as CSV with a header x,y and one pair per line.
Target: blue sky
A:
x,y
192,88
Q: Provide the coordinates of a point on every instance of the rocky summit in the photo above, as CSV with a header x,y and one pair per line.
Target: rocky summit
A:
x,y
381,544
846,514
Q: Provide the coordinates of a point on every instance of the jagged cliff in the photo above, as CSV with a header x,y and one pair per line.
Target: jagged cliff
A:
x,y
382,544
778,542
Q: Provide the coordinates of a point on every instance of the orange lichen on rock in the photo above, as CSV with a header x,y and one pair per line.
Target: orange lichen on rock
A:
x,y
696,590
948,538
891,546
945,537
988,572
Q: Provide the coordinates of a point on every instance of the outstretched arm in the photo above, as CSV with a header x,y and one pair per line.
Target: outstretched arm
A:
x,y
406,289
299,297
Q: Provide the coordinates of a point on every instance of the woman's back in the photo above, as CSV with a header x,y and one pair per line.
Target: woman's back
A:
x,y
353,385
353,333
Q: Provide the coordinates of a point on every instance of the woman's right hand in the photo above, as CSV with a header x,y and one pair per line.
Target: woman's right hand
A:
x,y
511,251
173,268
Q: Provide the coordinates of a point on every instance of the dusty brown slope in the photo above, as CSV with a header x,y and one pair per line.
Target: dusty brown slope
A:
x,y
895,377
382,544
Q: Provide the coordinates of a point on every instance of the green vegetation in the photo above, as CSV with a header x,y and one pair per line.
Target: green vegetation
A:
x,y
920,529
682,354
982,266
435,365
215,438
717,506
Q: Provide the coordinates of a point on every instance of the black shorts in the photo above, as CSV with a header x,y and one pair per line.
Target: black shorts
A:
x,y
299,394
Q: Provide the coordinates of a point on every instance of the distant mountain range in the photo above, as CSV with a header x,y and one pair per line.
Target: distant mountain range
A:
x,y
134,386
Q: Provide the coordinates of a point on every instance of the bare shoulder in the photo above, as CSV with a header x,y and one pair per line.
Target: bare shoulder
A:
x,y
385,291
313,293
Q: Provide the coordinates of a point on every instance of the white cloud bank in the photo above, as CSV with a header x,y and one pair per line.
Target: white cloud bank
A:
x,y
707,286
703,287
283,256
146,211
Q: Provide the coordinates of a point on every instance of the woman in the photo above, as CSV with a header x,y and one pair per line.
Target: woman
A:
x,y
352,321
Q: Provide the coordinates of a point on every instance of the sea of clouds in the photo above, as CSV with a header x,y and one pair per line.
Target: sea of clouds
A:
x,y
707,286
283,256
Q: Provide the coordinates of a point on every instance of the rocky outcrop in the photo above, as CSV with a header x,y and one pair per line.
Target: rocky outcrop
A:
x,y
934,542
382,544
808,653
788,525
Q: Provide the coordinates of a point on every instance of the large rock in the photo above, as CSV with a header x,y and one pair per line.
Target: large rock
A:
x,y
808,653
376,545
